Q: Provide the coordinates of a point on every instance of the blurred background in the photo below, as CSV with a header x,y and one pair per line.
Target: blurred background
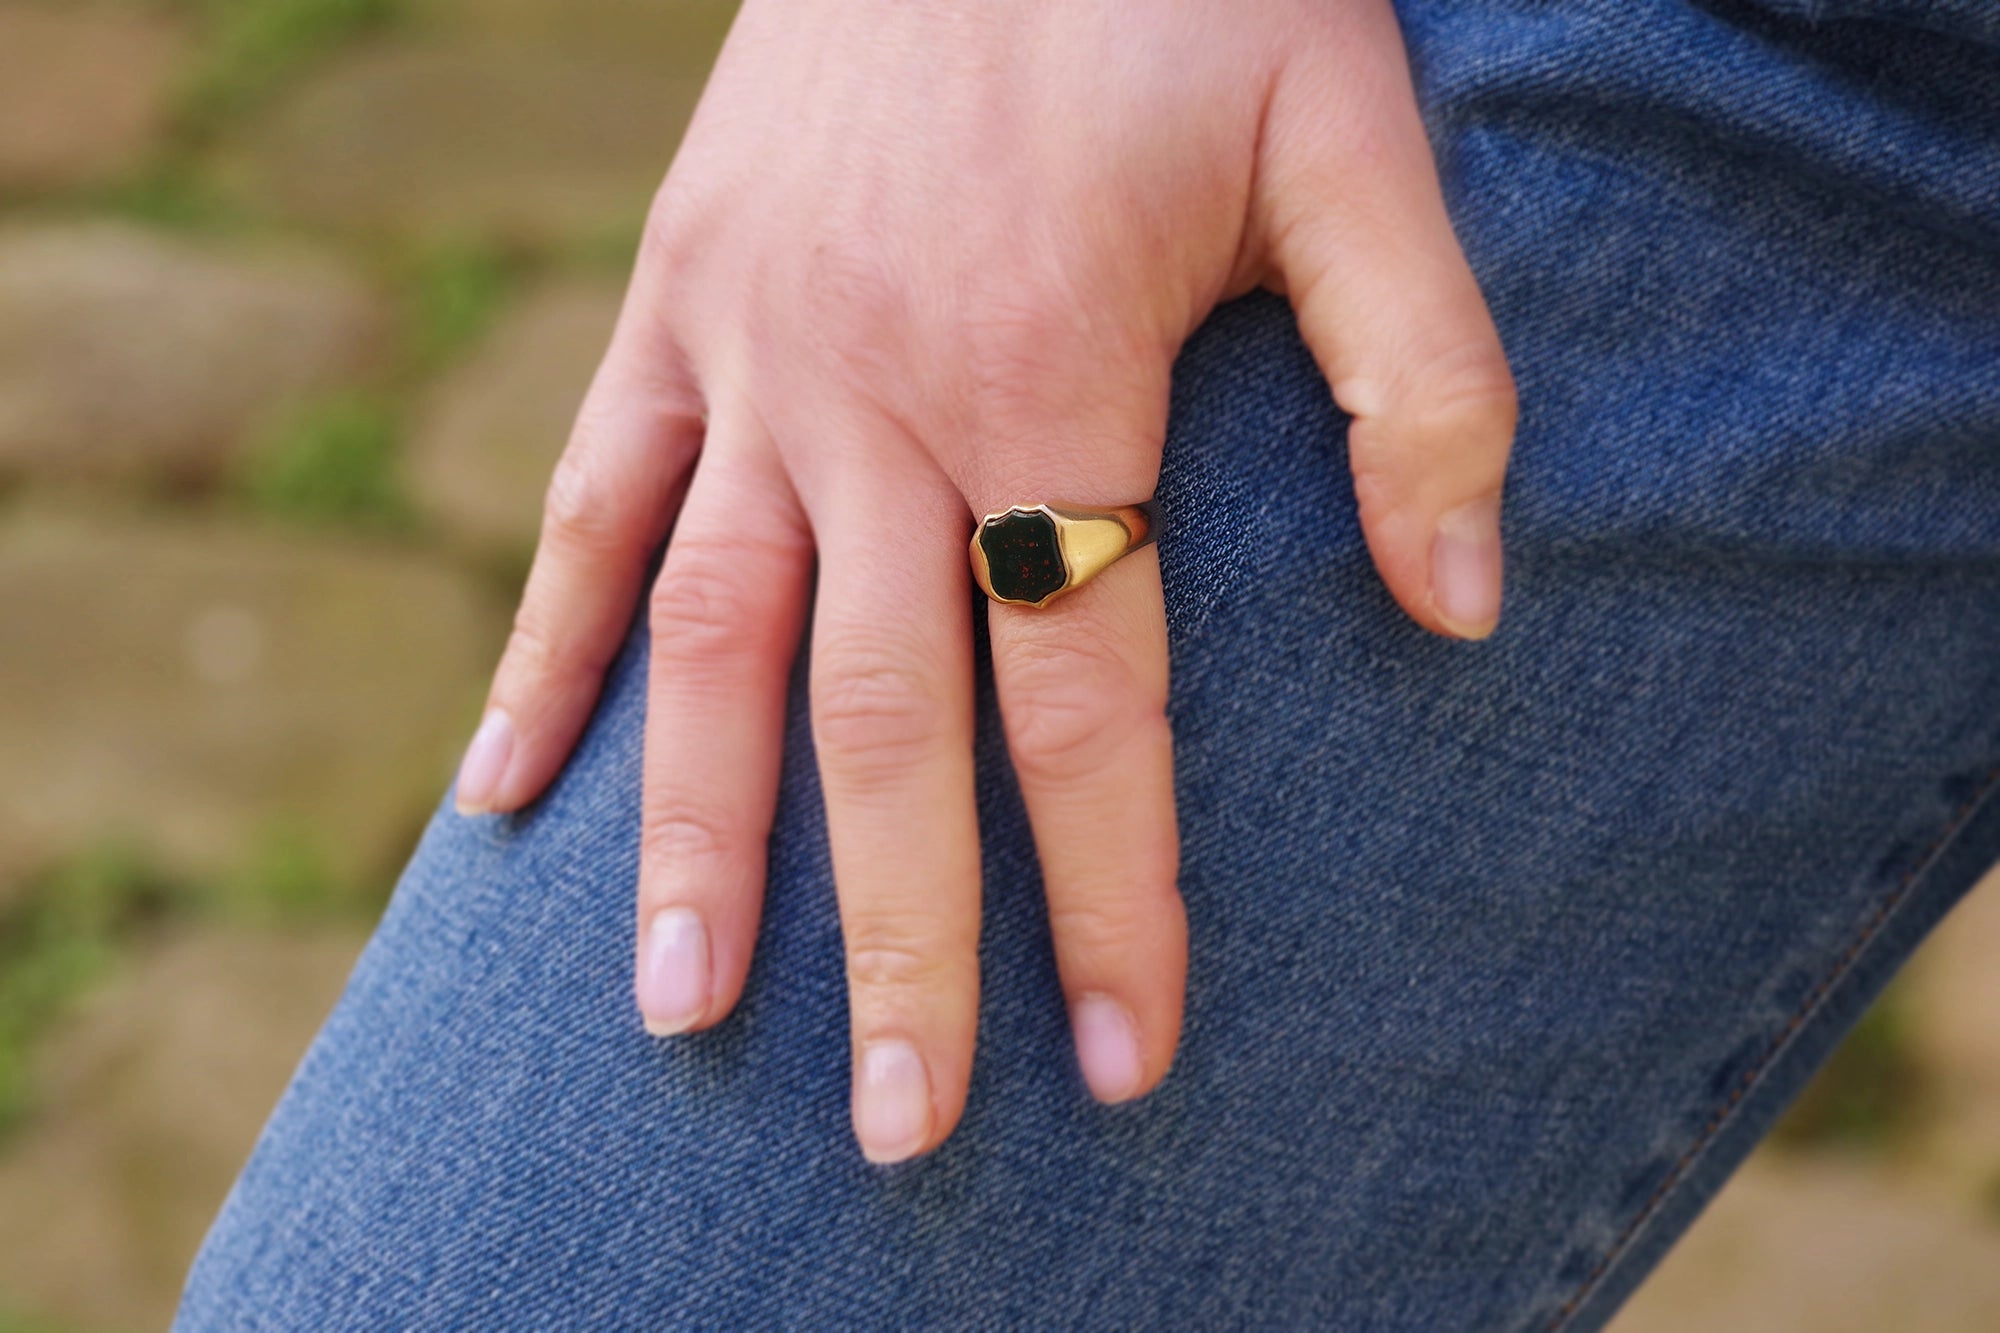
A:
x,y
297,299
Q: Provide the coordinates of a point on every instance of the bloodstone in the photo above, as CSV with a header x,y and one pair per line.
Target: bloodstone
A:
x,y
1024,560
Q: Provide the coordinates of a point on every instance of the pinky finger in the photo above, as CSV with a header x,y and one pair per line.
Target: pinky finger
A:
x,y
609,505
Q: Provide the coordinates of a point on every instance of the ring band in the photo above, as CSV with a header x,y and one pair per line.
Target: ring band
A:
x,y
1029,555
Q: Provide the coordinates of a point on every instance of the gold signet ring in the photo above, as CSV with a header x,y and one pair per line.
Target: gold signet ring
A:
x,y
1029,555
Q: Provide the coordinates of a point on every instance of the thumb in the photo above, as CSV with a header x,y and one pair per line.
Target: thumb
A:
x,y
1359,239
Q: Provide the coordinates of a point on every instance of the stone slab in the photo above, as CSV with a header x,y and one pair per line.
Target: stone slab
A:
x,y
1824,1247
1954,998
148,1099
491,432
125,354
85,91
518,143
193,686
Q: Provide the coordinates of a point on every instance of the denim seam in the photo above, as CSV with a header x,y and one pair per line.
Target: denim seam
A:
x,y
1842,967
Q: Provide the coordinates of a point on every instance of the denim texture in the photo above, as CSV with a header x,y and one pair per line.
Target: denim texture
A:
x,y
1503,954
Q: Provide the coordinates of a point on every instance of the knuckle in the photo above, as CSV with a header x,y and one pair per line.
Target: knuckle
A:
x,y
1453,416
875,713
705,603
1102,931
581,510
667,252
890,956
1380,492
862,327
1068,715
532,651
681,835
1019,351
1009,342
1465,395
851,283
1139,919
1037,365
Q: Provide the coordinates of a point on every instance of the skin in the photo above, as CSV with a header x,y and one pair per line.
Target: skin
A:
x,y
915,261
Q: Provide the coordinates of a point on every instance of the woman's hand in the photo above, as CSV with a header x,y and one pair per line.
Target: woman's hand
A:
x,y
914,262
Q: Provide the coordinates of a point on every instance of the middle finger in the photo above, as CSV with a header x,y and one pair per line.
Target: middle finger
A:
x,y
893,728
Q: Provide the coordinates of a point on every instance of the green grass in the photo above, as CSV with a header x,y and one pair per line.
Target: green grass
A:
x,y
453,290
243,53
66,927
251,48
57,938
19,1321
1867,1094
331,461
285,877
606,249
171,195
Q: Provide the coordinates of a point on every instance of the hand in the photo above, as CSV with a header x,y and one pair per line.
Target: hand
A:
x,y
914,262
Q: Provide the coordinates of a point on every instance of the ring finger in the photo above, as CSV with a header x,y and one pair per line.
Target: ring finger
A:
x,y
892,725
1083,695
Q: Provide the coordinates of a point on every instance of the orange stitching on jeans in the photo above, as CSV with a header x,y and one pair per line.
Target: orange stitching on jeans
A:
x,y
1750,1078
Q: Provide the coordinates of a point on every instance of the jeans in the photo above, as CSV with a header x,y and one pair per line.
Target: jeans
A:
x,y
1503,954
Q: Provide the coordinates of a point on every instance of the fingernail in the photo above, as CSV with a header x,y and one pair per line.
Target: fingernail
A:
x,y
673,971
1107,1046
485,764
1465,568
892,1101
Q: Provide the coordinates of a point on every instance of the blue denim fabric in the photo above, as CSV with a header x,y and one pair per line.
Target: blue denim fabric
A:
x,y
1504,954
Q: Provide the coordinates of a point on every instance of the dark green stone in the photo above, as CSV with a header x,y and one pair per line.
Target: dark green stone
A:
x,y
1024,560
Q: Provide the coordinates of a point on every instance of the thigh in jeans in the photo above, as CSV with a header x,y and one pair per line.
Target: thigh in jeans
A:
x,y
1503,954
